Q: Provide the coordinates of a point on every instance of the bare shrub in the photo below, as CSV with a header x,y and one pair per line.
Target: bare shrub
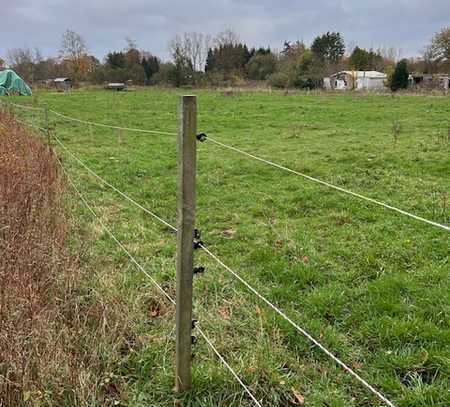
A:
x,y
396,130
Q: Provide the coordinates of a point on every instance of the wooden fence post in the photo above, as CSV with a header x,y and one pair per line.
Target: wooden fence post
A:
x,y
187,128
47,124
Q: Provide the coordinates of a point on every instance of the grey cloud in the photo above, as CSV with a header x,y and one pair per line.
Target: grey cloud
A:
x,y
405,24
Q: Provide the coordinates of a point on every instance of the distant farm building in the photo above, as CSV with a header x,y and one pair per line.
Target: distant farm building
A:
x,y
356,80
118,86
62,84
428,81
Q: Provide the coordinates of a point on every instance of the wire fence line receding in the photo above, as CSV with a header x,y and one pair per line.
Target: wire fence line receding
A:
x,y
238,379
236,275
92,123
110,233
89,123
127,197
246,284
300,329
263,160
155,283
30,125
329,185
26,107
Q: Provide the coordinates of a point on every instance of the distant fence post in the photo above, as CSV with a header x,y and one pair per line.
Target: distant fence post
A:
x,y
11,112
47,124
187,128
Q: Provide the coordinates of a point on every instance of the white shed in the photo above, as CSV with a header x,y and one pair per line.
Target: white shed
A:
x,y
62,84
356,80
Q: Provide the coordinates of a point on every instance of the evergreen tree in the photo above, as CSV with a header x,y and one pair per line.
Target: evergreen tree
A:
x,y
362,60
183,72
116,60
400,76
329,47
228,58
151,66
210,61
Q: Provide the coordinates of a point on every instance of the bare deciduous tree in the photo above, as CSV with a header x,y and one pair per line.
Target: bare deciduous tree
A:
x,y
131,43
436,55
73,46
24,60
192,46
440,45
200,45
227,37
73,53
19,56
390,53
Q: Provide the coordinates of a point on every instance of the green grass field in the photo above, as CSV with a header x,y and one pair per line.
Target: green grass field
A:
x,y
370,284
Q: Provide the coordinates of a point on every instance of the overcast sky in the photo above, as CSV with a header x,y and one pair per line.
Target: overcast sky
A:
x,y
104,24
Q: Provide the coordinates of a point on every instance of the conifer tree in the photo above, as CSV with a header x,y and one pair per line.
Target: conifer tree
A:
x,y
400,76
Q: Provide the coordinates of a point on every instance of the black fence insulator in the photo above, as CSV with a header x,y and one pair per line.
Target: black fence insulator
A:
x,y
199,270
193,339
198,244
202,137
194,323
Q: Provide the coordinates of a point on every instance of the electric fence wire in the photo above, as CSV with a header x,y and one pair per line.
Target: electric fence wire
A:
x,y
155,283
250,288
128,198
299,329
268,162
329,185
30,125
236,275
26,107
89,123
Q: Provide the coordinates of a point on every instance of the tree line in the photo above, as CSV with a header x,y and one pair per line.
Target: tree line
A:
x,y
200,60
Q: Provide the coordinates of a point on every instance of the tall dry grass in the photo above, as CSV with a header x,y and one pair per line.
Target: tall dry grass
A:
x,y
50,335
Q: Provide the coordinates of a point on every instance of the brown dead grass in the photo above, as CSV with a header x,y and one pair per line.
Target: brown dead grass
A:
x,y
51,329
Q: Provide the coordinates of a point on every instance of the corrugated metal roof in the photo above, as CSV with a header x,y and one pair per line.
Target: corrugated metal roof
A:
x,y
363,74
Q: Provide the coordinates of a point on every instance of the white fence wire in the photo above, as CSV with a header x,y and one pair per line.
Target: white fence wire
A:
x,y
243,281
236,275
267,162
156,284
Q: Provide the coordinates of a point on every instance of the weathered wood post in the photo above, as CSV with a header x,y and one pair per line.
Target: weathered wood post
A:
x,y
47,124
12,112
5,107
187,128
